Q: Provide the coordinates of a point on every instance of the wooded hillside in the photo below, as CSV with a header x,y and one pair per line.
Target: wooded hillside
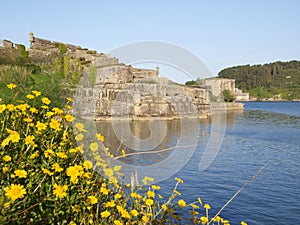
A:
x,y
265,81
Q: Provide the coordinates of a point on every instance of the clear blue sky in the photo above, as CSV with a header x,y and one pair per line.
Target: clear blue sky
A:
x,y
222,33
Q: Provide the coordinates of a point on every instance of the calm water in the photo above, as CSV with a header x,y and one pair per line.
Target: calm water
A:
x,y
265,133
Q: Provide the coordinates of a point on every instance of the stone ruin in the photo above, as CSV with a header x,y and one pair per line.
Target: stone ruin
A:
x,y
121,90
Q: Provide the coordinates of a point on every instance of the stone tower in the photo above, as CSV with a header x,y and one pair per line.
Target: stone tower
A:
x,y
31,38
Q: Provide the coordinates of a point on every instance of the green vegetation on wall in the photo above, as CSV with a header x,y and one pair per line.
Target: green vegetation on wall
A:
x,y
228,96
198,81
61,47
92,75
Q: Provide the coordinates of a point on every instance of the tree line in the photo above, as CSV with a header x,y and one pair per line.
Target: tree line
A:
x,y
277,78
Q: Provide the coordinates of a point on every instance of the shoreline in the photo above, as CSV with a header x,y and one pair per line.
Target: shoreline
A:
x,y
214,108
295,100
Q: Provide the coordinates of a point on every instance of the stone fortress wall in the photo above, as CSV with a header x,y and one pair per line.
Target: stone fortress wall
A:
x,y
121,90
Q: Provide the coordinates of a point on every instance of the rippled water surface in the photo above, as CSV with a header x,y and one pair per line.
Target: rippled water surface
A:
x,y
266,133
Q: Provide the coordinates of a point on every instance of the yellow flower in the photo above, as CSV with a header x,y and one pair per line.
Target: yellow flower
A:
x,y
5,142
56,167
92,200
117,222
69,118
29,140
181,203
123,212
145,219
218,218
117,168
46,171
49,114
48,153
135,195
155,187
40,126
100,137
87,164
10,107
15,191
164,207
11,86
103,190
123,153
206,206
72,223
150,194
105,214
76,208
73,172
54,124
34,155
74,150
2,108
80,127
60,191
27,120
243,223
6,158
46,101
134,212
87,175
200,201
94,146
36,93
110,204
33,110
149,202
69,99
20,173
118,196
108,172
147,179
5,169
57,110
61,155
194,206
178,180
14,136
30,96
79,137
203,219
6,205
22,107
225,222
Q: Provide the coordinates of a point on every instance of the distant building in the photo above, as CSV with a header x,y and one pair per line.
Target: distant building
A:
x,y
218,85
241,96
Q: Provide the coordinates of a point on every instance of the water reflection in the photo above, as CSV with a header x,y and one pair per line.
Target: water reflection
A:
x,y
153,148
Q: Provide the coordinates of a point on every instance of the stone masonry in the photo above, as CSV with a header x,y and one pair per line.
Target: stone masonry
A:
x,y
111,89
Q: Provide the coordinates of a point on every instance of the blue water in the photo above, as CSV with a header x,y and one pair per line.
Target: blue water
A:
x,y
265,133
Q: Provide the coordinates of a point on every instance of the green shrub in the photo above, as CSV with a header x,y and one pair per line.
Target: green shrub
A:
x,y
228,96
